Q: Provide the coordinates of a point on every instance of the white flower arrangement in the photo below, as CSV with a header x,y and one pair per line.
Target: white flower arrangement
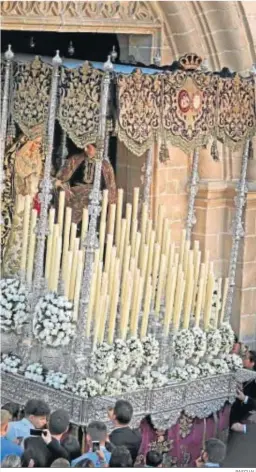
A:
x,y
213,340
113,387
57,380
121,355
199,342
145,380
10,363
102,360
227,338
129,383
206,369
158,379
13,305
150,351
234,362
220,366
178,374
136,352
87,388
192,371
52,323
183,344
35,372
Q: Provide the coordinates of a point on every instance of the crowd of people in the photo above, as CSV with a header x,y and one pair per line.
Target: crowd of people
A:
x,y
41,438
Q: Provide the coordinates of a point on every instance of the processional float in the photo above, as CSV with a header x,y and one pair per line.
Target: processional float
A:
x,y
114,308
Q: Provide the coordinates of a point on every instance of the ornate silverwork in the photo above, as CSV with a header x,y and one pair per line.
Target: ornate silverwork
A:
x,y
191,218
8,57
46,186
237,231
148,177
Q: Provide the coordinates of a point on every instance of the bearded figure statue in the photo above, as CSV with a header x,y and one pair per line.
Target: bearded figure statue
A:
x,y
76,179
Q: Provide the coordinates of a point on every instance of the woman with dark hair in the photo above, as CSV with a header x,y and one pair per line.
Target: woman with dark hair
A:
x,y
72,446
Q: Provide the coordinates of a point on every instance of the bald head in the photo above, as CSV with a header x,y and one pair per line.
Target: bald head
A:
x,y
5,417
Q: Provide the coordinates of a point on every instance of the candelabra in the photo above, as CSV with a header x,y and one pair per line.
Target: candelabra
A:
x,y
8,57
81,344
191,218
148,178
237,231
46,186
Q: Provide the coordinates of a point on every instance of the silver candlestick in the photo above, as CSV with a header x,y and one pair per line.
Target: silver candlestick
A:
x,y
4,119
46,186
237,231
191,218
94,209
148,177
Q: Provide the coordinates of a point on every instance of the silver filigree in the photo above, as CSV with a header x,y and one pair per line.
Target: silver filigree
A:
x,y
191,218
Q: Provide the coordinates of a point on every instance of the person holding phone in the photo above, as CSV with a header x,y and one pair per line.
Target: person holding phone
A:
x,y
36,414
96,438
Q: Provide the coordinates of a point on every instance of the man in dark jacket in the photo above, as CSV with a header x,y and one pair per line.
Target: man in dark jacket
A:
x,y
123,434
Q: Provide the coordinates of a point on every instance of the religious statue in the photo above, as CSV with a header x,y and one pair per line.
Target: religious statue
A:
x,y
76,179
23,168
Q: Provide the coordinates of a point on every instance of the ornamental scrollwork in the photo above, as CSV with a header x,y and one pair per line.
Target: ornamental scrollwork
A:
x,y
32,83
139,102
236,113
79,105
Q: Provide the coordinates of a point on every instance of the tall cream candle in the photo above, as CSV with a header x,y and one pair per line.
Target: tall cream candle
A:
x,y
177,312
104,207
218,305
224,300
148,231
49,243
57,264
197,262
119,211
207,262
143,227
134,298
182,246
99,278
102,238
67,272
61,210
134,226
91,304
162,274
108,252
67,226
125,310
164,235
113,307
31,247
126,261
128,216
146,311
186,256
25,232
199,301
72,236
170,299
178,291
208,301
151,254
73,270
111,273
133,235
144,262
79,274
137,248
122,241
134,326
105,311
155,268
112,217
189,296
159,224
55,237
100,308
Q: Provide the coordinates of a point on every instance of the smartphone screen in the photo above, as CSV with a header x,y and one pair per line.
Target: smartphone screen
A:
x,y
36,432
95,446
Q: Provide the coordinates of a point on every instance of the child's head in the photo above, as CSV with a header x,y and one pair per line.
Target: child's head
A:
x,y
154,459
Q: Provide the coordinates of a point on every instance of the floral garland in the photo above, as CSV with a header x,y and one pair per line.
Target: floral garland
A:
x,y
145,380
113,387
227,338
10,363
178,374
220,366
35,372
102,360
183,344
234,362
159,379
136,352
199,342
150,351
121,355
192,371
14,311
213,340
52,323
129,383
57,380
87,388
206,369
